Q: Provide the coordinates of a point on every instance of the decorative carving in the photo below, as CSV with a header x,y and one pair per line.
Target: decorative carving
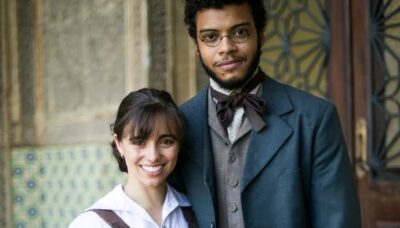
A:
x,y
385,92
297,44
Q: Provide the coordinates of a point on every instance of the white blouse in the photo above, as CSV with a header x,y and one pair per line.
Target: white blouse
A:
x,y
132,213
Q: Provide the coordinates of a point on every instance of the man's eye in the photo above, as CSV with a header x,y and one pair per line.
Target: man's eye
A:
x,y
209,37
240,33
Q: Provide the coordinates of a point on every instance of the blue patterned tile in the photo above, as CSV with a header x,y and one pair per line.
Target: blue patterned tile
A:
x,y
18,171
32,212
31,156
31,184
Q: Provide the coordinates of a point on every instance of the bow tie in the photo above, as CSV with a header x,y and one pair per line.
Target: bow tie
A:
x,y
253,105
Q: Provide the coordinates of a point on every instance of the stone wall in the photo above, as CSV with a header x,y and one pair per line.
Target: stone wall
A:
x,y
68,65
83,49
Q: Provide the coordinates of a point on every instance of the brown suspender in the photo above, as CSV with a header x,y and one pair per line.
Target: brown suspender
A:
x,y
189,217
115,221
111,218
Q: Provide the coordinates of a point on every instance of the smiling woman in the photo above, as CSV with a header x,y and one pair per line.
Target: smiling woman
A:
x,y
147,134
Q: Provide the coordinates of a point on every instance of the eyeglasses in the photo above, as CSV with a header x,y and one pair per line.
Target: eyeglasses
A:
x,y
236,35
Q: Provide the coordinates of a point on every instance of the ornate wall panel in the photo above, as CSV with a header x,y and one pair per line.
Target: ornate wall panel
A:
x,y
297,44
385,89
53,184
83,45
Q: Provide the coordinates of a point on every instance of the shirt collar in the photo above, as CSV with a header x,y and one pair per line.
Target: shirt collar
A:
x,y
117,199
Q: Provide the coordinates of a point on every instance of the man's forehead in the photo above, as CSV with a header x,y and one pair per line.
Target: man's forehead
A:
x,y
227,17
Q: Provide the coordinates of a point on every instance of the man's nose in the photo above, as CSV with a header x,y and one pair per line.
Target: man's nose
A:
x,y
226,45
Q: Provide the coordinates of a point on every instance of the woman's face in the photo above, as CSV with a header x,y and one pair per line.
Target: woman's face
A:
x,y
150,160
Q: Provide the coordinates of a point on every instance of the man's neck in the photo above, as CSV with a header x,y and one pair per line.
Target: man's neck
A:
x,y
216,86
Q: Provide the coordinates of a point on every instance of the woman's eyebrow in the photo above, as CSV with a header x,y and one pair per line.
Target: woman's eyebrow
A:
x,y
167,136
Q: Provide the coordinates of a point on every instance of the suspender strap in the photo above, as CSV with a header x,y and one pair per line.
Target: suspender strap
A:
x,y
115,221
111,218
189,217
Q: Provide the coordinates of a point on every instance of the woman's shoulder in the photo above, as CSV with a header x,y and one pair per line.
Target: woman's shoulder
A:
x,y
88,219
113,200
179,197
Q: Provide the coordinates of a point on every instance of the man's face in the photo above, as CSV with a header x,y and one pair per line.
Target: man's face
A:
x,y
228,63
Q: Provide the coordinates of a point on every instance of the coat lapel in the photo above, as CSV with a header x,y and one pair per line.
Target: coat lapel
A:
x,y
201,153
267,142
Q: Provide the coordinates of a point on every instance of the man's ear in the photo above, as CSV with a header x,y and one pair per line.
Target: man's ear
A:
x,y
261,36
197,46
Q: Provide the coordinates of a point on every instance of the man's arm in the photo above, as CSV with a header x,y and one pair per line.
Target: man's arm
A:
x,y
334,198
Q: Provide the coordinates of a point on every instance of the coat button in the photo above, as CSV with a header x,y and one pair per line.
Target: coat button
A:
x,y
233,182
212,225
232,158
232,207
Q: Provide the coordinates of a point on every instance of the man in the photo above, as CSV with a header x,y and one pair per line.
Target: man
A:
x,y
258,153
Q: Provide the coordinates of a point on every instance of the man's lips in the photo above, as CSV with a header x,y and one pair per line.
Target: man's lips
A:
x,y
229,64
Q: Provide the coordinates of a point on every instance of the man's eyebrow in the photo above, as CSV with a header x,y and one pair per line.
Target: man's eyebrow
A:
x,y
233,27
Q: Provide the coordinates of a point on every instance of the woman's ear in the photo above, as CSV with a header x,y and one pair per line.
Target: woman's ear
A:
x,y
118,144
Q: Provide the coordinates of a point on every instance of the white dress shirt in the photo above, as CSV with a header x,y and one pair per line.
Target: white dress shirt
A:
x,y
132,213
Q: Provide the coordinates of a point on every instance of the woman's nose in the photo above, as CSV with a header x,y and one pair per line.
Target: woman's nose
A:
x,y
152,153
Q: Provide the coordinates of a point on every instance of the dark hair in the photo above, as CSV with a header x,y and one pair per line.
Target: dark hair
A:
x,y
258,10
137,115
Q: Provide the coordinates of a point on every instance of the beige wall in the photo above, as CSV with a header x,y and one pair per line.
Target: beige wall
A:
x,y
65,66
70,63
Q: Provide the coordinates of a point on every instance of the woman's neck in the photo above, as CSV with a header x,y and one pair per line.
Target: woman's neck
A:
x,y
151,199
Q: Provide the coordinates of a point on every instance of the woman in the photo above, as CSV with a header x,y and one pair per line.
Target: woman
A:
x,y
147,134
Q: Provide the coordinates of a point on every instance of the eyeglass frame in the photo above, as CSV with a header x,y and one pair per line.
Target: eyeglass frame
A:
x,y
249,32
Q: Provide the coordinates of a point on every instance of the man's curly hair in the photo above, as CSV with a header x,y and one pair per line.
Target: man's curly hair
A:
x,y
258,9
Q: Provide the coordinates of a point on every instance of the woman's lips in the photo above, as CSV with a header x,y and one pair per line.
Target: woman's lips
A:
x,y
152,170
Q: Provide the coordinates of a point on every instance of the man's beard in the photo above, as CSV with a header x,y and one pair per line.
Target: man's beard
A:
x,y
234,84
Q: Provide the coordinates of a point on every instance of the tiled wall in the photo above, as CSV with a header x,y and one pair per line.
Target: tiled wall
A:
x,y
51,185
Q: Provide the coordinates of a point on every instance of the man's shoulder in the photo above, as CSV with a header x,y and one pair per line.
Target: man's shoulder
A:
x,y
196,102
298,96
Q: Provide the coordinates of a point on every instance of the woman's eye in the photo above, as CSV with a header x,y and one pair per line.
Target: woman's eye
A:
x,y
137,142
167,141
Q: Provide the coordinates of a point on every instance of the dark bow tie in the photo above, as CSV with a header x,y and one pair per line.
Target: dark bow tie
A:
x,y
253,105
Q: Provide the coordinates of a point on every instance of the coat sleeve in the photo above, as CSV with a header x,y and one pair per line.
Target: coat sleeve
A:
x,y
334,199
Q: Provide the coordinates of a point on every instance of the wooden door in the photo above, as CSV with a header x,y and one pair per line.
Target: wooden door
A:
x,y
376,73
348,51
